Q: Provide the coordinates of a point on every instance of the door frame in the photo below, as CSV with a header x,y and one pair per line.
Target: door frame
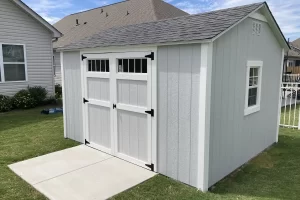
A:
x,y
153,89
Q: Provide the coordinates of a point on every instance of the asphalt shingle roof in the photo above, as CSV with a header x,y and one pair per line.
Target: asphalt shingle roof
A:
x,y
115,15
186,28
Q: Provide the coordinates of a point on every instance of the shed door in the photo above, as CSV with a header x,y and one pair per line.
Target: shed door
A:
x,y
118,111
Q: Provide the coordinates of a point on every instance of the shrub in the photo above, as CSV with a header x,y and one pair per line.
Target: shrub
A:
x,y
24,100
38,93
58,91
50,101
5,103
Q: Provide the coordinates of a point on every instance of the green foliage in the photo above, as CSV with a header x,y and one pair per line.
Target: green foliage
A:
x,y
38,93
58,91
24,100
5,103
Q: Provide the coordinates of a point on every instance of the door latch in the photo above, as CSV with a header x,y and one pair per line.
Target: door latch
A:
x,y
114,106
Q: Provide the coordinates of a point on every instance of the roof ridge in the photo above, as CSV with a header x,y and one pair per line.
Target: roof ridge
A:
x,y
154,10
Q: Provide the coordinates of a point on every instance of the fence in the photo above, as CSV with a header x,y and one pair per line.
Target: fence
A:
x,y
293,70
290,101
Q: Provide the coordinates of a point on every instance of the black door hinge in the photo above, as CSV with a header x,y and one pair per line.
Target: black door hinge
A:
x,y
150,112
86,142
151,55
83,57
151,166
85,101
114,106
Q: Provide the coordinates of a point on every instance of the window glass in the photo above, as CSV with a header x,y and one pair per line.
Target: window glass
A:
x,y
14,72
13,53
253,86
98,65
132,65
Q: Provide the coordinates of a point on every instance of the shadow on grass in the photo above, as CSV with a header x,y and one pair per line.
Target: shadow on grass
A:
x,y
274,173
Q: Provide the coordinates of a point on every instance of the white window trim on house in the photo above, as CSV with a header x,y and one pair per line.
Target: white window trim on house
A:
x,y
252,109
2,64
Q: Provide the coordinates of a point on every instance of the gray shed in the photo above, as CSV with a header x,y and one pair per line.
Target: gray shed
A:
x,y
186,97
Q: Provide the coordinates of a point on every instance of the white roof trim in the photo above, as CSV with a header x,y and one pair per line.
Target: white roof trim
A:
x,y
259,17
56,33
270,19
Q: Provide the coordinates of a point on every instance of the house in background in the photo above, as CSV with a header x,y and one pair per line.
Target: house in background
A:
x,y
26,51
292,58
83,24
191,97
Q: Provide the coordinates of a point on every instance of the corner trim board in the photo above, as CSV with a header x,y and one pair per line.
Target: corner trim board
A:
x,y
63,92
204,117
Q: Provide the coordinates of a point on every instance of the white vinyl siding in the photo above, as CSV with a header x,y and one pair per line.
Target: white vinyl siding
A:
x,y
18,27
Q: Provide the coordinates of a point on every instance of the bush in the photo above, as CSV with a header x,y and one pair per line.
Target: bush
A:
x,y
58,91
24,100
5,103
50,101
38,93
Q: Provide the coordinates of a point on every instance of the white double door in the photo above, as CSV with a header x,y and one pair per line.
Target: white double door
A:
x,y
117,105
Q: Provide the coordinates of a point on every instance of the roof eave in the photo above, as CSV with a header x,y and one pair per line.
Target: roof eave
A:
x,y
56,33
271,20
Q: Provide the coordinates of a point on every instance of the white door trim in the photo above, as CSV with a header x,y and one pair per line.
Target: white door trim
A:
x,y
124,52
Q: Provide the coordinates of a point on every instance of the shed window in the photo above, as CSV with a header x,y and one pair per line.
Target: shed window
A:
x,y
253,87
132,65
98,65
12,63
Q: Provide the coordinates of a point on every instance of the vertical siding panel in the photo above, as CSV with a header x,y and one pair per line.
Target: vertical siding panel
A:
x,y
184,113
162,109
178,111
196,60
73,96
172,139
236,138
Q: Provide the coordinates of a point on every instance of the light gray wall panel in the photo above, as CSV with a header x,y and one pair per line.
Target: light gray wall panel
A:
x,y
17,27
236,138
73,96
178,111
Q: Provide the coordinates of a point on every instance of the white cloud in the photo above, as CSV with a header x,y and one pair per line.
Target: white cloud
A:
x,y
48,9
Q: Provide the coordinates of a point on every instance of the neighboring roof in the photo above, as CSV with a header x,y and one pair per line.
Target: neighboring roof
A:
x,y
295,49
206,26
186,28
23,6
115,15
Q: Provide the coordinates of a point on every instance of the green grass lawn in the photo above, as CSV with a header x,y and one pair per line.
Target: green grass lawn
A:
x,y
274,174
24,135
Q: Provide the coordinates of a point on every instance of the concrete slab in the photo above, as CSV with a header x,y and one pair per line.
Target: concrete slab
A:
x,y
99,181
55,164
80,173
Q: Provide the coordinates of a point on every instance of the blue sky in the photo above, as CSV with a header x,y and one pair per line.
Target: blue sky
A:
x,y
286,12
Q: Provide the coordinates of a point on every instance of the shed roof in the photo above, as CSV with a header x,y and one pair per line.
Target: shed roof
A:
x,y
23,6
202,26
115,15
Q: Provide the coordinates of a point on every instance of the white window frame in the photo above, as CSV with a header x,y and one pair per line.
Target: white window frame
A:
x,y
2,64
252,109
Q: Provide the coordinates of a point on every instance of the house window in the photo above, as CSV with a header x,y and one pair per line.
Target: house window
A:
x,y
12,63
253,87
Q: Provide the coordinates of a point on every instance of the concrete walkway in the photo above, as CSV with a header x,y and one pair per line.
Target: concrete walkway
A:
x,y
80,173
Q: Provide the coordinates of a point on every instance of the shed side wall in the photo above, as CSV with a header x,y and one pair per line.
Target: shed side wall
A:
x,y
236,138
73,96
18,27
178,107
57,68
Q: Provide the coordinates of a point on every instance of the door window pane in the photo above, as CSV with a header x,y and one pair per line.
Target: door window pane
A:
x,y
14,72
13,53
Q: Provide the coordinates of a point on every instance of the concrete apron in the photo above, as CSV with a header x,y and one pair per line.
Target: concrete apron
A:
x,y
80,173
